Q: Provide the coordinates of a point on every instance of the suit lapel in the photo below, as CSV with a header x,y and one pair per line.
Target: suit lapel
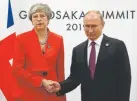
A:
x,y
49,45
85,52
104,50
34,43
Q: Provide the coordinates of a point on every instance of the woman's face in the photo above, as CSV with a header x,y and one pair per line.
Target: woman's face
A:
x,y
40,20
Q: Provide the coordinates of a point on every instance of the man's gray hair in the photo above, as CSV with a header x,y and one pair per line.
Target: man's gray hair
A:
x,y
38,7
97,12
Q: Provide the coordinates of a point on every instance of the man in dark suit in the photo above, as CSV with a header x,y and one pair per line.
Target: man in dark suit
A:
x,y
100,64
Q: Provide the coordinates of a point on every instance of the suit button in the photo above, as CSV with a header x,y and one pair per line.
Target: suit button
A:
x,y
44,73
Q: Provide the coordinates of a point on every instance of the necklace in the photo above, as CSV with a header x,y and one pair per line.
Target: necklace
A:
x,y
43,42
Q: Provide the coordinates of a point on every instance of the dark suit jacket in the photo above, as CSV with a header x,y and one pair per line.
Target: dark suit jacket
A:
x,y
112,76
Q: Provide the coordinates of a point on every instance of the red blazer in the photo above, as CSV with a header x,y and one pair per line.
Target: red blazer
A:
x,y
30,65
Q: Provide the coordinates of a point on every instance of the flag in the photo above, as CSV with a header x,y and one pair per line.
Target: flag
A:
x,y
6,78
8,84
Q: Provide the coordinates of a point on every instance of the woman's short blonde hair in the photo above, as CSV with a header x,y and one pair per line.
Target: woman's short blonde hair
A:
x,y
39,7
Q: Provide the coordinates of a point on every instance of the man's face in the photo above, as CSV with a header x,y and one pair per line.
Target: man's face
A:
x,y
39,20
93,25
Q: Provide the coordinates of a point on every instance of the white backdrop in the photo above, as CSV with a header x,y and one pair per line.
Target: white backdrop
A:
x,y
70,27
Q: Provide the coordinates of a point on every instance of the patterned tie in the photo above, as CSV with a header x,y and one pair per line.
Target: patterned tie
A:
x,y
92,63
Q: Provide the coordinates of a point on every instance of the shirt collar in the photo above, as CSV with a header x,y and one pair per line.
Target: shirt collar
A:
x,y
97,41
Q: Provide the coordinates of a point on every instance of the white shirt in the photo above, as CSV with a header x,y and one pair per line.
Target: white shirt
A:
x,y
97,47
